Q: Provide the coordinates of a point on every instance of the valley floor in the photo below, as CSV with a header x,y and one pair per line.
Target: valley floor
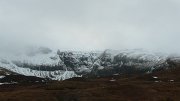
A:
x,y
159,86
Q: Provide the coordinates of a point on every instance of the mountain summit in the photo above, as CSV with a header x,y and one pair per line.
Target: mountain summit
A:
x,y
60,65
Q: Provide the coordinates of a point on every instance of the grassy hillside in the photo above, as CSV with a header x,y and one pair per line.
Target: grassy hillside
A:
x,y
159,86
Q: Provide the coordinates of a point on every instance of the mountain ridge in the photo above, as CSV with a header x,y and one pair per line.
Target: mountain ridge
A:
x,y
61,65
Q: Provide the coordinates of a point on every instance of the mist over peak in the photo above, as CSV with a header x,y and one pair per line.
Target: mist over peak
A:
x,y
90,25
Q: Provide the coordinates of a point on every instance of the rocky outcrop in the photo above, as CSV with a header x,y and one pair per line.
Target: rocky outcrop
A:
x,y
60,65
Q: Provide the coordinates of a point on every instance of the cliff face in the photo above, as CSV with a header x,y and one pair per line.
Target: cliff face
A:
x,y
61,65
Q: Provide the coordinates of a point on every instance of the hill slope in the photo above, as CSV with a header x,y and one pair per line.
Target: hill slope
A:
x,y
163,85
61,65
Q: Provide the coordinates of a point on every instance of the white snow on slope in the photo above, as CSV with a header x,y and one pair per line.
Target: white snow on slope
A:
x,y
54,75
139,54
52,59
38,59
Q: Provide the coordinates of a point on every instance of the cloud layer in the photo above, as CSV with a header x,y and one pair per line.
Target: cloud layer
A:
x,y
90,24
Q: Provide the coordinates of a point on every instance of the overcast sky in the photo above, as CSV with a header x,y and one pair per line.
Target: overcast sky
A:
x,y
91,24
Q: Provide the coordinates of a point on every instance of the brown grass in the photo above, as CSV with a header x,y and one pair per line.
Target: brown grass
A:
x,y
133,88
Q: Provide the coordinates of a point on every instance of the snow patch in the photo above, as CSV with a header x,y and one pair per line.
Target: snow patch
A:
x,y
155,77
7,83
1,77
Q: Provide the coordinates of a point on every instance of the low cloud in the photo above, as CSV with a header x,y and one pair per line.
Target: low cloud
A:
x,y
90,24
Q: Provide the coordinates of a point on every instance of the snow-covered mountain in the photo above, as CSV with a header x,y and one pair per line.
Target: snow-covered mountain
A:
x,y
60,65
